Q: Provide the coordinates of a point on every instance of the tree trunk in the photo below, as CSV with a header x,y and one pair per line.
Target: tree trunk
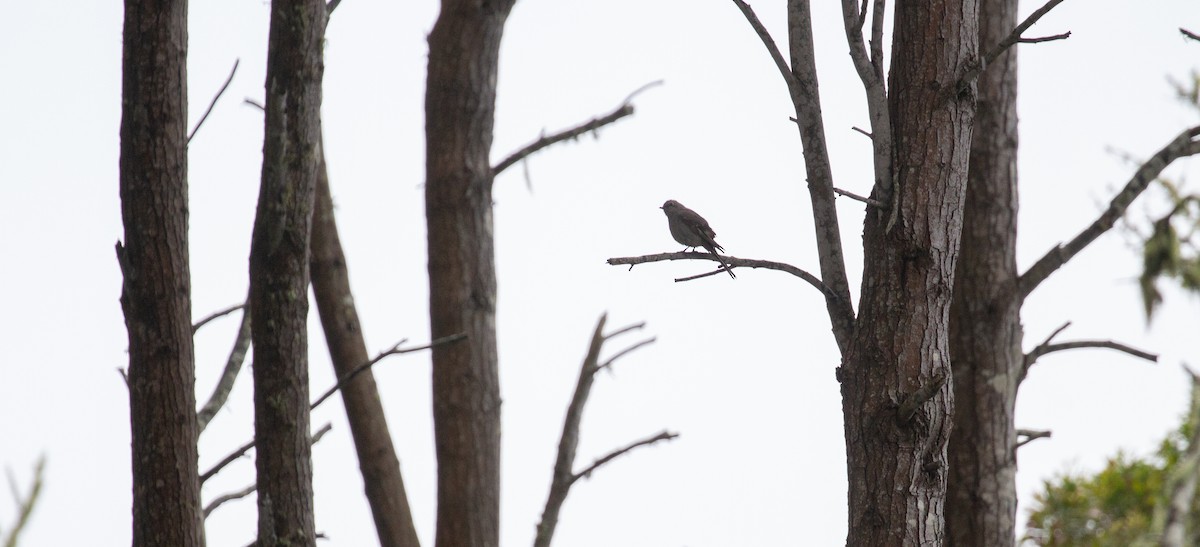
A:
x,y
156,296
376,455
279,274
459,110
896,400
985,322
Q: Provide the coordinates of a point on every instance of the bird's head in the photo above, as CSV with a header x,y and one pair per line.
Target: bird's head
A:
x,y
670,204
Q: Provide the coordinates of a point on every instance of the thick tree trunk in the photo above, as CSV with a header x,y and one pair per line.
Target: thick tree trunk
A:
x,y
156,297
339,317
896,400
459,110
985,321
279,273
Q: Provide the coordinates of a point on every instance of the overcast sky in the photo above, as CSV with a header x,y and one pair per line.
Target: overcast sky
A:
x,y
743,368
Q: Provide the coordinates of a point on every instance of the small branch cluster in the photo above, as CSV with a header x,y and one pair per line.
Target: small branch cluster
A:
x,y
564,477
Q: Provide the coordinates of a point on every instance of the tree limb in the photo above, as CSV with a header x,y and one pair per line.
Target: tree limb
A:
x,y
394,350
568,443
220,500
625,109
213,103
769,43
1181,146
856,197
233,365
216,315
1013,37
24,503
663,435
1030,436
1109,344
732,261
870,72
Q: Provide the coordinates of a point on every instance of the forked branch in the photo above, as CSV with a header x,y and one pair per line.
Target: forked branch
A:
x,y
568,444
1013,37
731,260
1184,145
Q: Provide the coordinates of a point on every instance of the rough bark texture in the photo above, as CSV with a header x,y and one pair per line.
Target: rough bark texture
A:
x,y
156,297
343,334
899,355
279,273
459,110
985,321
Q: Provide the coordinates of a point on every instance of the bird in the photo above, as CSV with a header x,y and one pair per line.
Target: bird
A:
x,y
690,229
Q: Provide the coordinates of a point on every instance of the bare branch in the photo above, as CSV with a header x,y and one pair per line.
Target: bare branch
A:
x,y
216,315
1181,146
1008,41
220,500
232,457
124,376
851,195
394,350
568,443
233,365
24,503
663,435
732,261
625,109
1030,436
870,72
1046,342
212,104
1189,34
769,43
625,352
864,132
1033,356
1041,39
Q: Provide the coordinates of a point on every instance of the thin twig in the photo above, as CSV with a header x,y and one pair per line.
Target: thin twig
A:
x,y
732,261
625,352
663,435
394,350
863,131
1030,436
1183,145
233,365
216,315
25,503
215,98
220,500
1008,41
1189,34
852,195
1107,344
625,109
1041,39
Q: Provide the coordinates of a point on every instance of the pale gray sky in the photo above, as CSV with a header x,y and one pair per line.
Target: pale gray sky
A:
x,y
743,369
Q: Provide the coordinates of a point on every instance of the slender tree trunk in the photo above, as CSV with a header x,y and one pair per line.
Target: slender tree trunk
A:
x,y
156,296
985,322
279,274
376,455
896,398
459,110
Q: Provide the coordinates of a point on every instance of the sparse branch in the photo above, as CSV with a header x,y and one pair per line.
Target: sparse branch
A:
x,y
220,500
732,261
1041,39
1013,37
1030,435
24,503
1189,34
216,315
856,197
233,365
1033,356
563,477
394,350
663,435
784,70
625,109
1181,146
215,98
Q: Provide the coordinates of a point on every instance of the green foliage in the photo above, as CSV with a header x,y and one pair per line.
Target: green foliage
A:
x,y
1114,507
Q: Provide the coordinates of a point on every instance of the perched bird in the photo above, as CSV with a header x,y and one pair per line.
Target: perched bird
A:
x,y
690,229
